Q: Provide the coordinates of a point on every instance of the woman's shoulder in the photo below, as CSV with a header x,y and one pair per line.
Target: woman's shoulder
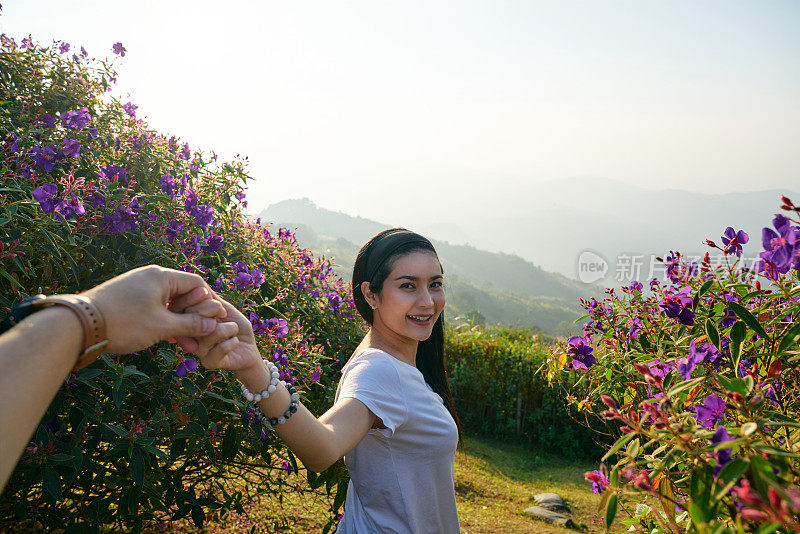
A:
x,y
369,356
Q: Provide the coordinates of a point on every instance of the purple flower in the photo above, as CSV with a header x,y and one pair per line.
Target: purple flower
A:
x,y
114,173
95,199
191,246
64,48
203,214
214,243
169,186
72,148
47,197
635,327
780,248
279,327
733,241
185,152
687,364
77,119
92,135
636,287
119,49
280,357
335,301
598,479
219,285
673,264
244,279
723,455
186,366
71,207
46,158
581,353
48,121
286,467
27,42
122,220
710,412
678,305
173,229
130,109
272,326
240,195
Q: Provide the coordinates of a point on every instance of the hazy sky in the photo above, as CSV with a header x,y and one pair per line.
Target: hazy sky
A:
x,y
382,109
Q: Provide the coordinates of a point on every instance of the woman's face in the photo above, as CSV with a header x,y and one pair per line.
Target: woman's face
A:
x,y
412,296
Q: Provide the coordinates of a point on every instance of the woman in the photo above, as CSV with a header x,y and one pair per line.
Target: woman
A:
x,y
393,417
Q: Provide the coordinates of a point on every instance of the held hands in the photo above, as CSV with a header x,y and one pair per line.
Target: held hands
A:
x,y
232,345
139,309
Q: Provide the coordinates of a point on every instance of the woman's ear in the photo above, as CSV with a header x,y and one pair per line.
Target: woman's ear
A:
x,y
369,296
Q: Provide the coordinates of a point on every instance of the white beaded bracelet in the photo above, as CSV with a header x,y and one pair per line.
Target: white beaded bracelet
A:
x,y
273,385
254,398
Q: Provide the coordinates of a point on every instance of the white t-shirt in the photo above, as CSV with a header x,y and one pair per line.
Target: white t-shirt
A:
x,y
401,476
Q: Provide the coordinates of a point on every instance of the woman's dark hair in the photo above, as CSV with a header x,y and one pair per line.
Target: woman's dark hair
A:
x,y
431,360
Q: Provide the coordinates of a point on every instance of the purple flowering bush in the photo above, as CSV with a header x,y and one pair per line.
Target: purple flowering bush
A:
x,y
697,380
89,191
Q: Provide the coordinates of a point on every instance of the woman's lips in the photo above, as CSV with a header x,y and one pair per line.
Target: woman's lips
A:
x,y
416,319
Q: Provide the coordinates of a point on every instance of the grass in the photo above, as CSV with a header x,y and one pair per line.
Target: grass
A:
x,y
495,482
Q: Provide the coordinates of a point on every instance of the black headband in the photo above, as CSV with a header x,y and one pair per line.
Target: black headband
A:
x,y
386,245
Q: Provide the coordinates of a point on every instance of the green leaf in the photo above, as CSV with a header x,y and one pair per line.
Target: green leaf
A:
x,y
711,330
738,332
736,385
230,443
618,445
748,318
696,514
769,528
613,479
611,511
137,467
633,448
313,479
704,288
729,476
686,384
51,483
10,278
198,516
788,338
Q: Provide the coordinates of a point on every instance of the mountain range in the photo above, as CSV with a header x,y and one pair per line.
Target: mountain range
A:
x,y
481,286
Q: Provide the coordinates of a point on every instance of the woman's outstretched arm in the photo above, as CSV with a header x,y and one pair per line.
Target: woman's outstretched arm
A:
x,y
317,442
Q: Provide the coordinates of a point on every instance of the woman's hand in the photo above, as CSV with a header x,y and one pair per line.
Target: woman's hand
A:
x,y
219,350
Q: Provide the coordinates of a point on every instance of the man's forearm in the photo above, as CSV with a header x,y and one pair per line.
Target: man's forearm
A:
x,y
35,357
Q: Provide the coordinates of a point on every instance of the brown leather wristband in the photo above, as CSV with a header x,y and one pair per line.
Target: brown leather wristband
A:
x,y
94,327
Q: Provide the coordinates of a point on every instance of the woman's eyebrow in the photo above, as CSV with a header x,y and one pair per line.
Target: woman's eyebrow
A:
x,y
414,278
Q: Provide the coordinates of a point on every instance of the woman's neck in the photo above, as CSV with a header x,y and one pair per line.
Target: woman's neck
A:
x,y
404,350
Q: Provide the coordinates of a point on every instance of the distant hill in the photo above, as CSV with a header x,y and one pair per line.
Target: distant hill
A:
x,y
495,287
551,223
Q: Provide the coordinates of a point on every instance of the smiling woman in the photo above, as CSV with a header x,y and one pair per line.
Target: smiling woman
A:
x,y
393,418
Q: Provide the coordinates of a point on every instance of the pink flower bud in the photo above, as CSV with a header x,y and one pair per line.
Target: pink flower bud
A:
x,y
608,401
642,368
753,515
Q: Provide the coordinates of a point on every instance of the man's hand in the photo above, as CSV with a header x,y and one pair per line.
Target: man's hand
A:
x,y
135,307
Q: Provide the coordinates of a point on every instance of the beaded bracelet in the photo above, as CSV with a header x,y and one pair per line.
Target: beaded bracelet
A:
x,y
254,398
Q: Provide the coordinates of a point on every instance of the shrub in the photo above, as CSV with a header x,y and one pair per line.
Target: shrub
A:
x,y
88,192
700,377
499,391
